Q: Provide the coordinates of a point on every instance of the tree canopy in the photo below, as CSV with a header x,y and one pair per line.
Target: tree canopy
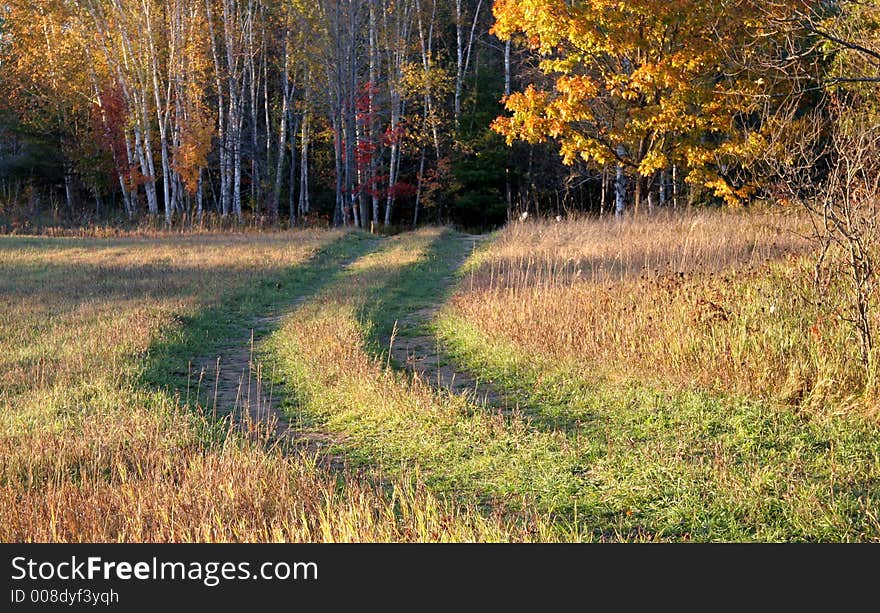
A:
x,y
388,111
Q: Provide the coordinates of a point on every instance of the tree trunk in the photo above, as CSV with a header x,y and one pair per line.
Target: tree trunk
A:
x,y
462,54
340,214
222,135
507,68
373,127
604,196
200,196
162,112
508,188
166,179
675,187
282,138
304,203
396,58
640,181
69,195
419,189
427,42
664,184
142,140
295,120
620,184
256,170
132,199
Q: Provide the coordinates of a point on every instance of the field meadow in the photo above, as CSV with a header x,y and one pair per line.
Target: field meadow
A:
x,y
659,378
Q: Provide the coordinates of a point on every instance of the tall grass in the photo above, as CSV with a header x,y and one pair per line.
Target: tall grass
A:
x,y
712,400
721,301
652,401
552,253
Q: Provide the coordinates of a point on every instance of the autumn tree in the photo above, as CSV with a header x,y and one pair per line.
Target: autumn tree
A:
x,y
377,111
641,85
45,77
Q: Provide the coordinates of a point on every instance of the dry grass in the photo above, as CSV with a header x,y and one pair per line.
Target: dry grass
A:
x,y
550,253
87,453
396,422
146,478
720,301
70,308
710,399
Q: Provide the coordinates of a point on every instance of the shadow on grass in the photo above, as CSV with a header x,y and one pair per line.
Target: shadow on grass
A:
x,y
430,282
233,314
643,464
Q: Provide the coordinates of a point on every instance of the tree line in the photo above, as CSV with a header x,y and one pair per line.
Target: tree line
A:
x,y
363,111
381,112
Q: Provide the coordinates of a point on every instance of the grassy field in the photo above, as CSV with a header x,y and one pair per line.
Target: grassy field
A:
x,y
666,378
720,301
97,442
689,363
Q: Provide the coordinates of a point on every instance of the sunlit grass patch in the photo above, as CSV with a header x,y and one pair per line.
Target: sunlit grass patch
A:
x,y
727,305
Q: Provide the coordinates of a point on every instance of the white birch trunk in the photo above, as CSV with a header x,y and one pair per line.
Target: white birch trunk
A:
x,y
674,187
664,182
419,189
293,120
620,184
161,115
142,142
507,68
463,54
304,203
68,188
282,134
200,196
373,125
397,58
223,153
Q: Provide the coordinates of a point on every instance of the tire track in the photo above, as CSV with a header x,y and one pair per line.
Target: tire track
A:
x,y
238,387
423,354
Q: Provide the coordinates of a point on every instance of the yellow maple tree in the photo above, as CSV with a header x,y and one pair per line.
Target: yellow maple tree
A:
x,y
643,84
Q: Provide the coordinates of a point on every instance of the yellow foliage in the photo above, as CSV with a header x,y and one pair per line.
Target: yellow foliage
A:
x,y
645,74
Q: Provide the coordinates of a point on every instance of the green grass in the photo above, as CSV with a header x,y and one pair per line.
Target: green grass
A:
x,y
230,316
425,283
602,460
96,447
326,354
687,464
98,335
